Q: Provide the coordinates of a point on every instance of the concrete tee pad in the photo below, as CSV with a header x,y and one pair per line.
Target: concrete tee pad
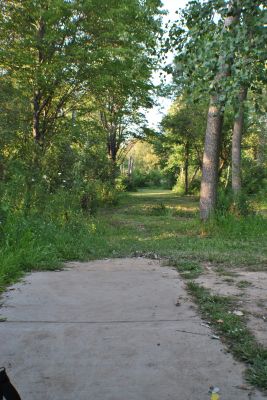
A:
x,y
111,330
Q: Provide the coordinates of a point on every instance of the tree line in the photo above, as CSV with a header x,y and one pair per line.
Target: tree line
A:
x,y
76,79
74,76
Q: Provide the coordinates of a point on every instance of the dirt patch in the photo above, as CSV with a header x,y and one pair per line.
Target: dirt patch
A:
x,y
249,288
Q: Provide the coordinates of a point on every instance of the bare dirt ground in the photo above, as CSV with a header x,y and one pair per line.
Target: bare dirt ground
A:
x,y
248,287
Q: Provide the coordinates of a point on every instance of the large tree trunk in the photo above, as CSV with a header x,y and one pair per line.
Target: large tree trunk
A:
x,y
209,182
236,142
210,164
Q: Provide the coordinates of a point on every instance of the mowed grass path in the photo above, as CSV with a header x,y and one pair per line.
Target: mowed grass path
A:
x,y
149,223
162,223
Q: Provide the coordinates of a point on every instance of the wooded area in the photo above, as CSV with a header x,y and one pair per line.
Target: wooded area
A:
x,y
76,81
87,174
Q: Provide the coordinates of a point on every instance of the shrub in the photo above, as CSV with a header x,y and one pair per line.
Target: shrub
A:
x,y
254,178
125,183
140,179
229,203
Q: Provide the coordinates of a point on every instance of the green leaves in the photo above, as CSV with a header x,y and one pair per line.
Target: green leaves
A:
x,y
199,37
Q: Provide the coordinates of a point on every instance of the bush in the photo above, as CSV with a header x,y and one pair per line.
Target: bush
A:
x,y
154,178
140,179
229,203
178,188
125,183
254,178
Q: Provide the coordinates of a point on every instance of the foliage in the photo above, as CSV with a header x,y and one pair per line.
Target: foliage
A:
x,y
218,51
254,177
60,72
141,179
143,155
198,38
180,145
229,203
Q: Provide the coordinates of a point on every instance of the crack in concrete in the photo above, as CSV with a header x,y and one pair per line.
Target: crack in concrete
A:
x,y
108,323
93,322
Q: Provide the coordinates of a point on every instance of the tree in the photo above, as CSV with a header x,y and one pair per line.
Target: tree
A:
x,y
212,48
236,141
249,72
128,88
65,56
183,133
208,191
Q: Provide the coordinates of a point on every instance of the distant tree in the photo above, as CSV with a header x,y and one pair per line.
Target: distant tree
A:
x,y
183,129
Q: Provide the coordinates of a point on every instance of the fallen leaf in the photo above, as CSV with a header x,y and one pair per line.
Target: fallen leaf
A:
x,y
205,325
215,337
243,387
238,313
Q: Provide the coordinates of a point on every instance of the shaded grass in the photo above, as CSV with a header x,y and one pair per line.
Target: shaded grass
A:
x,y
234,332
162,222
149,221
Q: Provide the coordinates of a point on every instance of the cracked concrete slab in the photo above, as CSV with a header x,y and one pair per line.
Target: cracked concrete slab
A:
x,y
111,330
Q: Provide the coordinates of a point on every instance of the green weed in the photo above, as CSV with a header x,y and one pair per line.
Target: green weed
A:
x,y
243,284
189,269
158,209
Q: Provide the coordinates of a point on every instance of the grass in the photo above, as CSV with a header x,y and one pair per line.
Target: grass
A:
x,y
153,223
160,222
232,328
243,284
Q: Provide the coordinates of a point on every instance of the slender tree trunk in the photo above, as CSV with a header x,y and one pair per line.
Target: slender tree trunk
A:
x,y
209,182
36,117
261,152
37,96
227,177
194,175
130,166
112,151
236,142
186,167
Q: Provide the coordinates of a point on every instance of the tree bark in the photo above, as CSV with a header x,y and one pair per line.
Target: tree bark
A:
x,y
36,116
37,96
236,142
209,181
261,151
130,166
186,167
210,164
